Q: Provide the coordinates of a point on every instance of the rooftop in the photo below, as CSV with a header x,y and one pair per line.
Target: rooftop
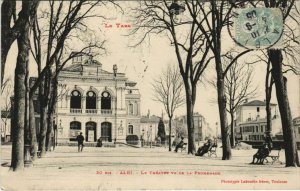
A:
x,y
257,103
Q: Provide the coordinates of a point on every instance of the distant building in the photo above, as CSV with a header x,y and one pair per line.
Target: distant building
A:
x,y
251,122
201,127
253,110
149,127
296,123
254,130
5,126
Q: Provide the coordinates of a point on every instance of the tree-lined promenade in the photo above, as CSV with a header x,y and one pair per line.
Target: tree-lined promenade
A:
x,y
144,168
195,30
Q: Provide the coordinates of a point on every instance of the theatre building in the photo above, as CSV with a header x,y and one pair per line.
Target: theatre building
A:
x,y
96,102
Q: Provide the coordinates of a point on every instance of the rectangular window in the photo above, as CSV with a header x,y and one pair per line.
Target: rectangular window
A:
x,y
130,129
130,108
298,130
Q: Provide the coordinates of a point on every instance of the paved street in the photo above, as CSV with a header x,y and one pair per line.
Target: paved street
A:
x,y
144,168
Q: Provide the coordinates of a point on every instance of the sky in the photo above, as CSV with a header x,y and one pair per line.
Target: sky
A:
x,y
144,63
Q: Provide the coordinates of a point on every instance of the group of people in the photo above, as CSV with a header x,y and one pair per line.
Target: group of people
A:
x,y
259,156
201,150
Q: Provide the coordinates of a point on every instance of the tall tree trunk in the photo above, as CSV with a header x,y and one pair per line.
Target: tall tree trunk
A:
x,y
7,36
33,141
269,117
170,133
43,130
232,137
49,131
222,111
27,130
4,52
268,92
190,121
43,118
291,155
17,160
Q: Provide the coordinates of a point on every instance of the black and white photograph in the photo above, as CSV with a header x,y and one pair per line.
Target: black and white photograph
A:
x,y
150,95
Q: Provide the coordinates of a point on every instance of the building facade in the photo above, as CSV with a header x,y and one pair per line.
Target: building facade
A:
x,y
98,103
202,129
296,123
253,110
149,127
251,122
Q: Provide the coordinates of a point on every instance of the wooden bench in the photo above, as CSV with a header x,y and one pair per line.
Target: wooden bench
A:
x,y
183,148
274,155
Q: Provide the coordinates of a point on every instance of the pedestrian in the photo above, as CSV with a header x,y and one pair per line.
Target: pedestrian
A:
x,y
205,148
80,140
179,145
99,142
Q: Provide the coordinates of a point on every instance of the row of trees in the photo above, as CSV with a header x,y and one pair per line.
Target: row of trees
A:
x,y
46,33
196,36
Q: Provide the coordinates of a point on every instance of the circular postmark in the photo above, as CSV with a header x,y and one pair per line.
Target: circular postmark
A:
x,y
256,28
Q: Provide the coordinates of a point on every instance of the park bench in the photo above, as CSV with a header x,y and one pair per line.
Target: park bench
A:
x,y
38,153
183,148
274,155
213,150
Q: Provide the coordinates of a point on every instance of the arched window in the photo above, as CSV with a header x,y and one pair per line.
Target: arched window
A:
x,y
130,129
106,132
90,131
75,125
105,100
90,100
75,100
75,129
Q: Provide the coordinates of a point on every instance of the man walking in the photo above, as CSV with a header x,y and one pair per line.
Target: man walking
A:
x,y
80,140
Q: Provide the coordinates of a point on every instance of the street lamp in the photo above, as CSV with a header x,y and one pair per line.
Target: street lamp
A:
x,y
115,69
175,8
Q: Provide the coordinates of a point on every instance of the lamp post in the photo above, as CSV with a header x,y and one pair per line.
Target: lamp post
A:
x,y
115,69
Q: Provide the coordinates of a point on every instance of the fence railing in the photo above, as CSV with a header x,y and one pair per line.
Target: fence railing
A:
x,y
106,111
72,110
92,111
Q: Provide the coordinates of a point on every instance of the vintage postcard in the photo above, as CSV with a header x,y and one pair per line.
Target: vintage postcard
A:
x,y
150,95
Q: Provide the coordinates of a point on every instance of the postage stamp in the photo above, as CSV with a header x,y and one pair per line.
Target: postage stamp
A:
x,y
258,28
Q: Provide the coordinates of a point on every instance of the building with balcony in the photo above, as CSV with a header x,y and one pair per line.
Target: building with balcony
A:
x,y
96,102
251,122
